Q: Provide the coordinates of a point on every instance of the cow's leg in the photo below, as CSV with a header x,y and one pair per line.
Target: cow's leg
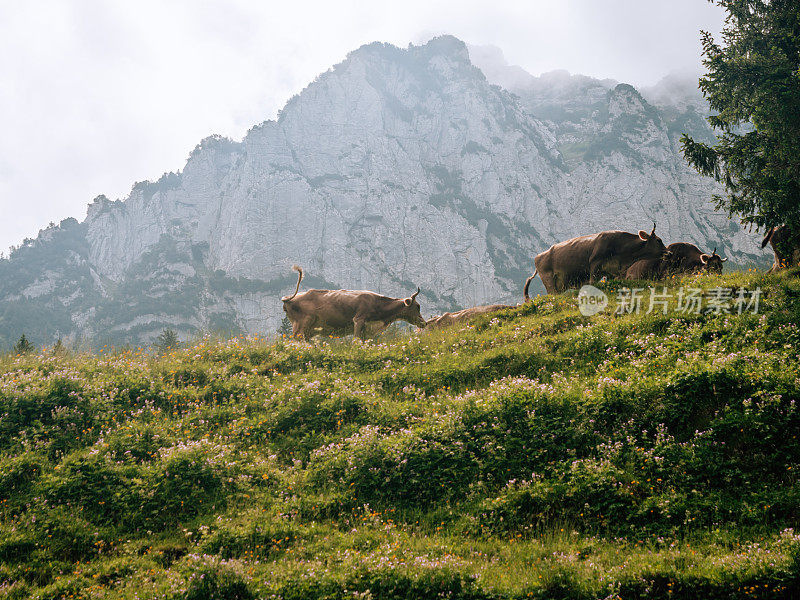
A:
x,y
595,272
777,264
548,281
560,282
358,327
302,328
381,328
297,328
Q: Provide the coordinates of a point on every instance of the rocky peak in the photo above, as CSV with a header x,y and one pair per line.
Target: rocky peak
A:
x,y
99,205
625,99
447,46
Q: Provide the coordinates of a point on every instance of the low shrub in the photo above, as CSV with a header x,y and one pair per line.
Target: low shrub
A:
x,y
255,540
216,583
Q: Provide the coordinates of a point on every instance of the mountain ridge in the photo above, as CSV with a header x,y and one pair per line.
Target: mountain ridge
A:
x,y
390,162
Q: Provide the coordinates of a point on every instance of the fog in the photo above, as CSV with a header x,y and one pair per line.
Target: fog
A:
x,y
96,95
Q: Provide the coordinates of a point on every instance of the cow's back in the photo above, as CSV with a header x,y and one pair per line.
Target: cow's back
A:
x,y
618,250
451,318
335,307
474,311
618,242
572,252
685,256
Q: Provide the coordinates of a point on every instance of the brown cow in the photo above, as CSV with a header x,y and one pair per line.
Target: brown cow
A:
x,y
587,258
785,246
340,312
683,258
451,318
688,258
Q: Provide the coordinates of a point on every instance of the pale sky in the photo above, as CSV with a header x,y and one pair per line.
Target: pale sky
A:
x,y
98,94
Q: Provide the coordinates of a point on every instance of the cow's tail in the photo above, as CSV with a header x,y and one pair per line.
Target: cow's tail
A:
x,y
299,279
767,237
527,285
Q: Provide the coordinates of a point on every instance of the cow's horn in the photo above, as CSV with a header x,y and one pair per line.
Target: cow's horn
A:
x,y
654,229
724,259
714,253
414,295
704,258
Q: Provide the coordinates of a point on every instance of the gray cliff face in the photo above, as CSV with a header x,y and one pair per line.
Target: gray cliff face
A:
x,y
395,169
623,155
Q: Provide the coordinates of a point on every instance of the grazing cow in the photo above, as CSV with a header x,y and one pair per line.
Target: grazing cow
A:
x,y
683,258
587,258
340,312
451,318
688,258
785,246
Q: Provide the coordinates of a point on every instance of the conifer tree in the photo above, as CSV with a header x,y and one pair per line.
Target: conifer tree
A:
x,y
753,86
285,328
23,346
167,340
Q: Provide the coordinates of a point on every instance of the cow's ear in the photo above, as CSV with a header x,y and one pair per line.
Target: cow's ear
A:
x,y
704,258
407,301
644,235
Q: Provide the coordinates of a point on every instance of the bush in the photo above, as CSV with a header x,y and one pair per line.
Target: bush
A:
x,y
388,585
17,475
403,469
186,483
216,583
300,418
53,408
256,540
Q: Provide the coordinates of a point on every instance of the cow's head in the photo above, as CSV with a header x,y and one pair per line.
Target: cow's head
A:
x,y
653,246
411,310
712,262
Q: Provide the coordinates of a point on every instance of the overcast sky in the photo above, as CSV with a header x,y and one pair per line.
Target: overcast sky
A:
x,y
98,94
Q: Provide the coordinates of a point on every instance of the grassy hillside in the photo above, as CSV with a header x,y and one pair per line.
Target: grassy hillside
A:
x,y
535,453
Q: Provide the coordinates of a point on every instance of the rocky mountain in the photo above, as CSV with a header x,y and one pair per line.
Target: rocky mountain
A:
x,y
395,168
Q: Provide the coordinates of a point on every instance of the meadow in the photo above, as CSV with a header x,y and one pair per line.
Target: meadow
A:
x,y
533,453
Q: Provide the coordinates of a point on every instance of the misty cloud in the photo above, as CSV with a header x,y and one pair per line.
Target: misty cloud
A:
x,y
95,96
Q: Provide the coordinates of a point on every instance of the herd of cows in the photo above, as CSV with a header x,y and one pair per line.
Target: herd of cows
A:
x,y
568,264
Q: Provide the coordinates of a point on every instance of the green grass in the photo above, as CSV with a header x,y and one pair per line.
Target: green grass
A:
x,y
535,453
